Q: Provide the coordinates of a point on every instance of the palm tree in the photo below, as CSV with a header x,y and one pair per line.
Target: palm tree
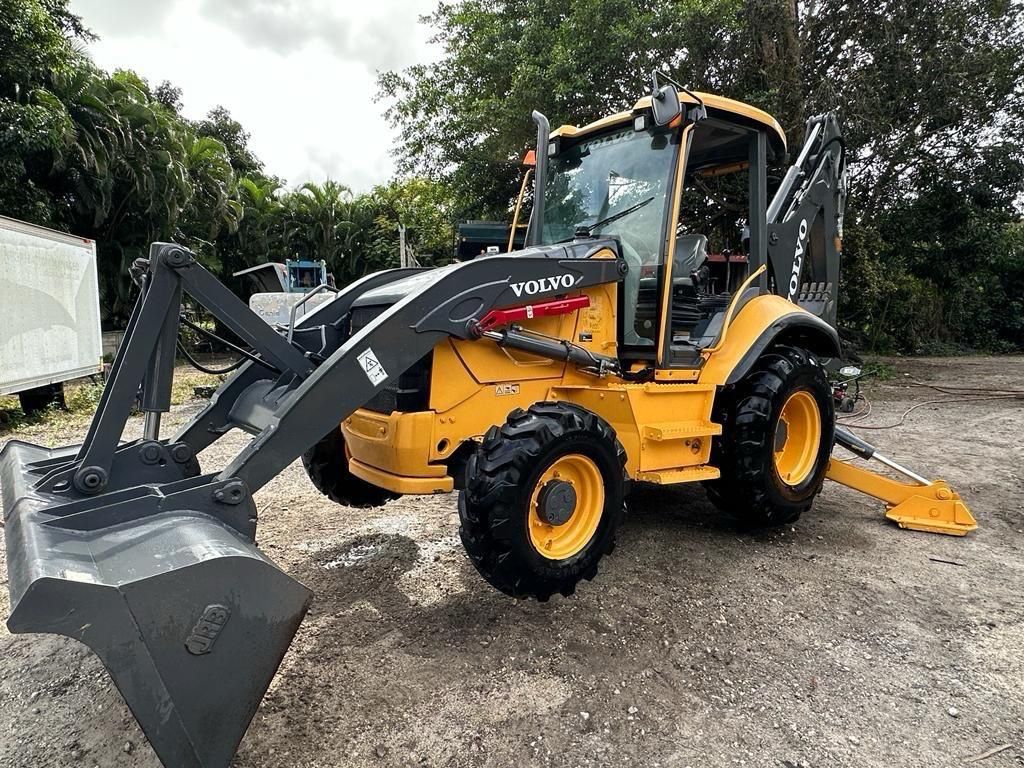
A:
x,y
213,205
357,235
322,209
261,218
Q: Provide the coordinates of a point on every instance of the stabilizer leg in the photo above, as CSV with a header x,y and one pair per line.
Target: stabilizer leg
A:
x,y
923,505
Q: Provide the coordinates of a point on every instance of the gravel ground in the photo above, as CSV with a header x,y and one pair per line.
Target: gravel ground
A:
x,y
838,641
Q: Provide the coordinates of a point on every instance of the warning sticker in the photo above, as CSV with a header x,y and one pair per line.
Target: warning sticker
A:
x,y
371,367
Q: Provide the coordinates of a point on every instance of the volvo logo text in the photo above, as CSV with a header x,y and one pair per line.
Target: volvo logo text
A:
x,y
798,260
544,284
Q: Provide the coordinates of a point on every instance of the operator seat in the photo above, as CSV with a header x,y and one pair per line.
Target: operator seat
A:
x,y
691,252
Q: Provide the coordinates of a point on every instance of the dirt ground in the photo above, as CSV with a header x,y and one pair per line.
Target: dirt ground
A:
x,y
838,641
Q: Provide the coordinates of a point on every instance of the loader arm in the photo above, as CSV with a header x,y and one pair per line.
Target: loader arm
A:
x,y
280,412
128,548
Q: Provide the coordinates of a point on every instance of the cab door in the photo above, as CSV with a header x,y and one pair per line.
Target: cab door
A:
x,y
715,239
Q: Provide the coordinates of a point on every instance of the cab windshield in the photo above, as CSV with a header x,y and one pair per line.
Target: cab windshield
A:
x,y
616,184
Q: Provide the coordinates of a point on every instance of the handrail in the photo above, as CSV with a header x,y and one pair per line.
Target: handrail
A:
x,y
732,309
295,307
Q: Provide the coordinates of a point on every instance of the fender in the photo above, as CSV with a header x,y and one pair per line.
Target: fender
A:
x,y
762,321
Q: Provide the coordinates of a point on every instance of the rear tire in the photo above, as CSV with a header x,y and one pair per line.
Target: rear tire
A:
x,y
543,500
326,463
778,426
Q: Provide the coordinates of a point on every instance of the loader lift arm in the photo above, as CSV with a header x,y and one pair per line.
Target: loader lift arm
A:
x,y
129,549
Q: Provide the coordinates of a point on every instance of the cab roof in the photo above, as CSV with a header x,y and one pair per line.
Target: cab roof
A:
x,y
717,106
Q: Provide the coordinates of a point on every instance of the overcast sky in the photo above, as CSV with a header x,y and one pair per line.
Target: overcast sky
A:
x,y
300,75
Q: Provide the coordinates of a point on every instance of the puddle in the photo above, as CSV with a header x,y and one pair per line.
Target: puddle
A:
x,y
358,553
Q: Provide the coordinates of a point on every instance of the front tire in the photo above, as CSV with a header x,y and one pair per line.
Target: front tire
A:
x,y
778,426
543,500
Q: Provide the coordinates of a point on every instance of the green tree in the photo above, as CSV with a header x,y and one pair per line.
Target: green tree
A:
x,y
99,154
35,52
466,118
317,215
929,95
424,207
220,125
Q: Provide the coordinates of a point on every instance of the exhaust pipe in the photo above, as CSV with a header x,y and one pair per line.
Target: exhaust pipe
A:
x,y
540,178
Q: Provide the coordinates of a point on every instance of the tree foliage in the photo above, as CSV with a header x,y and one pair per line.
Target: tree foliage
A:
x,y
930,96
354,234
106,156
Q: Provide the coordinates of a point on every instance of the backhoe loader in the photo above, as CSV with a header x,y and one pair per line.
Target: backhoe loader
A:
x,y
623,344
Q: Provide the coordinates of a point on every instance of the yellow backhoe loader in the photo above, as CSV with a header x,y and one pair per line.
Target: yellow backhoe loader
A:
x,y
665,323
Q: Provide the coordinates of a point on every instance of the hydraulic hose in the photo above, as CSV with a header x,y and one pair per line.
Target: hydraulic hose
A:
x,y
246,354
203,369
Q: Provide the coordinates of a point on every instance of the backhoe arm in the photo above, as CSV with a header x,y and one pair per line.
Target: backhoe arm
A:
x,y
805,222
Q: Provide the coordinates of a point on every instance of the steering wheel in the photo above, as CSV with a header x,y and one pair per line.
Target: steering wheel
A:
x,y
632,287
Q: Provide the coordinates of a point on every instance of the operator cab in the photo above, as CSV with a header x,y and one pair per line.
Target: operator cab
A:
x,y
684,193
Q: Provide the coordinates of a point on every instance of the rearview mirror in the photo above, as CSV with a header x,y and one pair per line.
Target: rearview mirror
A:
x,y
665,106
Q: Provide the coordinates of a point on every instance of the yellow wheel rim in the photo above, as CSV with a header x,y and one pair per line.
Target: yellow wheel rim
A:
x,y
558,542
797,438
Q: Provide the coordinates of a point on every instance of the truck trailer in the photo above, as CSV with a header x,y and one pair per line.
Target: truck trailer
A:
x,y
49,312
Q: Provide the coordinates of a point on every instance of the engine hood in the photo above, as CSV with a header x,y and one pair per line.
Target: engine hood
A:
x,y
390,293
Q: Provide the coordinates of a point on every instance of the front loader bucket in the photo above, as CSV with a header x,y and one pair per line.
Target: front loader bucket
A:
x,y
190,619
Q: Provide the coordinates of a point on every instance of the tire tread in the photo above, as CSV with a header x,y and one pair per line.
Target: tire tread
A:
x,y
746,413
490,506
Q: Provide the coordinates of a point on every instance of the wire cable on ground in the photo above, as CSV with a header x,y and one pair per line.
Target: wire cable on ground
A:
x,y
863,413
960,395
203,369
949,389
913,408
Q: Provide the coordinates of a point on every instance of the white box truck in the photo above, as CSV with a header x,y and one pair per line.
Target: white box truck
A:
x,y
49,312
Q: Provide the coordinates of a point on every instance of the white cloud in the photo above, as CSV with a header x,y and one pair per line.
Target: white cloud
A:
x,y
301,78
381,37
124,18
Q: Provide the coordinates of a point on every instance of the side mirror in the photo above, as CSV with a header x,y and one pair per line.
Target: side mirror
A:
x,y
665,105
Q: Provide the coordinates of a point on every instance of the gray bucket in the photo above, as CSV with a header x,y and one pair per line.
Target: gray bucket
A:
x,y
190,619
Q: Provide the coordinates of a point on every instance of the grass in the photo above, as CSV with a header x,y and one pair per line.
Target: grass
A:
x,y
81,398
880,371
